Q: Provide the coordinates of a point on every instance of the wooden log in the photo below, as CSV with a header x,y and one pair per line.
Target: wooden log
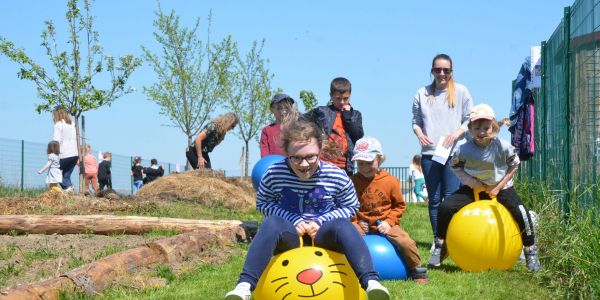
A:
x,y
92,278
105,224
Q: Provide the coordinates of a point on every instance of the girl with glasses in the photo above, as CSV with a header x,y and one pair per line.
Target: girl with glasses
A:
x,y
304,196
440,116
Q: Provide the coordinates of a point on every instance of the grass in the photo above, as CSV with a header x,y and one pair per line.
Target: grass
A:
x,y
209,281
15,191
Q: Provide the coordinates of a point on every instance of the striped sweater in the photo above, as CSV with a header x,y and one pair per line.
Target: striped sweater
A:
x,y
329,194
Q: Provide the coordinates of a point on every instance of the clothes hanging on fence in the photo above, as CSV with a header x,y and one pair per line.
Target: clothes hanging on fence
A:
x,y
522,114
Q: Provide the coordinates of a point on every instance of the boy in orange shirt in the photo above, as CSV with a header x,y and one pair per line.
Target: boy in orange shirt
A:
x,y
381,200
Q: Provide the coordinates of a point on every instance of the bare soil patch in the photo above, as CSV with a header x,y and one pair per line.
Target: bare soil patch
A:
x,y
30,258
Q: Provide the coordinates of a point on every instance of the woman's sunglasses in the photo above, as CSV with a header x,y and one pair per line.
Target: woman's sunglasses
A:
x,y
439,70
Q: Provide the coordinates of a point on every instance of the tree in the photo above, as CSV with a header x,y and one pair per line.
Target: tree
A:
x,y
308,99
192,76
73,87
249,95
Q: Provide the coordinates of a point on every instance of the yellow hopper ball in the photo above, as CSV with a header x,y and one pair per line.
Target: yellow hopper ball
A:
x,y
483,235
309,273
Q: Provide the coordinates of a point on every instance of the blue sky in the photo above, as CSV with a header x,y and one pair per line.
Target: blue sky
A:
x,y
384,47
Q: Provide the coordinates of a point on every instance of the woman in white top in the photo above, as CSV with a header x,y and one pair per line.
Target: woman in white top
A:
x,y
64,134
440,115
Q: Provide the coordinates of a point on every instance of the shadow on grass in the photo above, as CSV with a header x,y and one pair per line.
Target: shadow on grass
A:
x,y
448,268
425,245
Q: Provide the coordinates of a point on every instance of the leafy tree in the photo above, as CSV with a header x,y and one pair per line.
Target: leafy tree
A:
x,y
250,95
73,86
192,75
308,99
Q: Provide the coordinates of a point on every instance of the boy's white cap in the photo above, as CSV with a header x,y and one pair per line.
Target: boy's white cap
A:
x,y
482,111
367,149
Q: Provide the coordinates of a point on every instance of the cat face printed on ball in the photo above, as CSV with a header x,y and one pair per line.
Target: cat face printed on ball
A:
x,y
308,273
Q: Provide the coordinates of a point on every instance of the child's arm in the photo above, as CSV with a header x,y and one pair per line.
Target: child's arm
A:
x,y
458,168
352,122
46,166
398,205
202,136
493,190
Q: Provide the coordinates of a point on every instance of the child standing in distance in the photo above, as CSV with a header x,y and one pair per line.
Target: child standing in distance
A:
x,y
382,204
209,137
270,139
91,170
137,171
324,215
341,123
54,176
104,177
153,171
416,173
487,165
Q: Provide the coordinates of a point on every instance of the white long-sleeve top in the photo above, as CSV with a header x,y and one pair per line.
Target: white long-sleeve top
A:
x,y
64,134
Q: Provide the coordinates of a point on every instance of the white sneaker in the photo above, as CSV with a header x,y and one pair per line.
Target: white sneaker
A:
x,y
241,292
69,190
376,291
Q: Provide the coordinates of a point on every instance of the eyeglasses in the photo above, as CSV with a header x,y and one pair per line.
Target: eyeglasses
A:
x,y
439,70
311,159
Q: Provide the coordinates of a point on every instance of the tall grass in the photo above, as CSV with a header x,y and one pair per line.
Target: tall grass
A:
x,y
15,191
569,242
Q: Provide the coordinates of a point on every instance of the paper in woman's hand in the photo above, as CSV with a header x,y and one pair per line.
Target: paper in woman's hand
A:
x,y
441,153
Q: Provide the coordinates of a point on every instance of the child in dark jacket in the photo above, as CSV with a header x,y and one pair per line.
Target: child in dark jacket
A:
x,y
153,171
341,123
104,174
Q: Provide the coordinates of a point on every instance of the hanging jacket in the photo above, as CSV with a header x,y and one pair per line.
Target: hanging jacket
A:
x,y
522,114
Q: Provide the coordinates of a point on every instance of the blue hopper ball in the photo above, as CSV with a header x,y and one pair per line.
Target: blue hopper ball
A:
x,y
386,260
261,166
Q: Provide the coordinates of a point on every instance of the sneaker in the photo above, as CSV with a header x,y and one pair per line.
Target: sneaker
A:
x,y
419,275
439,253
531,259
241,292
69,190
432,247
376,291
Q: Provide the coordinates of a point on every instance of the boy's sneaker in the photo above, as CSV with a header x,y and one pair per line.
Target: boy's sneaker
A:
x,y
376,291
439,253
70,190
531,259
419,275
241,292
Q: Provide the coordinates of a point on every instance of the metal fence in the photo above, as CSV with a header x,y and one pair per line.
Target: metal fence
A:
x,y
568,106
20,161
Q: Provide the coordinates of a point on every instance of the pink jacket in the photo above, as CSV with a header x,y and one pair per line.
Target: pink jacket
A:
x,y
90,165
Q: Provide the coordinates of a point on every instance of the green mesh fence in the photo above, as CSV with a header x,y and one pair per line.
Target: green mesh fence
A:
x,y
21,160
568,106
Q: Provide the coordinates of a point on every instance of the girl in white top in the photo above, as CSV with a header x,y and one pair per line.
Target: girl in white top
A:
x,y
54,176
415,172
64,134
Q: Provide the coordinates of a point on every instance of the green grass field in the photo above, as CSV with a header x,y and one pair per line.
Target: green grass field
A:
x,y
449,282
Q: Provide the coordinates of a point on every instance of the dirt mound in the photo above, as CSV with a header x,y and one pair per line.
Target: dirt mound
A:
x,y
203,186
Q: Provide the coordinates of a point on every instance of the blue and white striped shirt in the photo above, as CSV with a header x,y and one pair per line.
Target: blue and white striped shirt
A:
x,y
329,194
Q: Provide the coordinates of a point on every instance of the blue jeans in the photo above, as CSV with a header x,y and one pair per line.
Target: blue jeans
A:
x,y
67,165
441,182
137,185
277,235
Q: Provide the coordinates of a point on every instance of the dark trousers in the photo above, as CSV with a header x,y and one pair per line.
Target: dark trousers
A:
x,y
104,183
508,197
277,235
192,157
66,166
441,182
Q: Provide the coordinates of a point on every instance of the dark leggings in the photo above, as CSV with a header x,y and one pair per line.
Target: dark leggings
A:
x,y
193,159
507,197
66,166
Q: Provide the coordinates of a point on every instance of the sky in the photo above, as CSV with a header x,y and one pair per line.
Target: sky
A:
x,y
384,48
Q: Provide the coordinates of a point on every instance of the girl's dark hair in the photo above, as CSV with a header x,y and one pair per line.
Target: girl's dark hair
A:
x,y
340,85
450,97
53,147
300,129
417,162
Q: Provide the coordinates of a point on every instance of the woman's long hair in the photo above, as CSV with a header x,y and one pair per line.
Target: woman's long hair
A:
x,y
224,123
61,114
450,96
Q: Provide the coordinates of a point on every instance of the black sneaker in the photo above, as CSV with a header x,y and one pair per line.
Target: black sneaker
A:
x,y
439,253
419,275
531,259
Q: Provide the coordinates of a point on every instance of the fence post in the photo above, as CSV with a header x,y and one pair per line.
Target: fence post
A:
x,y
566,77
131,164
543,106
22,165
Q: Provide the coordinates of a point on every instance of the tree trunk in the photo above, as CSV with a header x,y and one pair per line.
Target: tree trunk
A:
x,y
106,224
247,157
187,162
82,187
92,278
78,135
